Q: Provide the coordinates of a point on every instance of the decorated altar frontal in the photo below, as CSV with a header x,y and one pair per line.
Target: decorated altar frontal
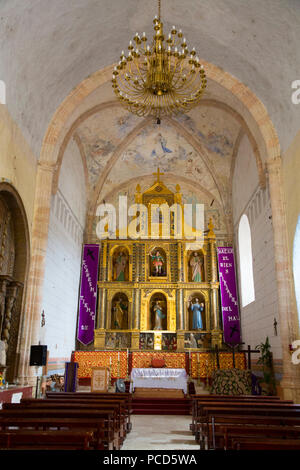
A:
x,y
196,364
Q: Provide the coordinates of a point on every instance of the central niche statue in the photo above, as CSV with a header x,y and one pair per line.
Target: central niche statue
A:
x,y
158,263
159,314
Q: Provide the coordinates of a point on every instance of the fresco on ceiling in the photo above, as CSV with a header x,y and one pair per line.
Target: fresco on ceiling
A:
x,y
100,135
161,147
216,132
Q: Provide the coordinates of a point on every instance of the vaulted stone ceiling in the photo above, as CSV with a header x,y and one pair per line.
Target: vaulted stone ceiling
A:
x,y
48,48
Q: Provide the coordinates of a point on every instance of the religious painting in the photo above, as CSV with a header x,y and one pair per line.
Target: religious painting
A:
x,y
146,341
121,265
196,267
158,311
117,340
195,340
158,263
196,308
169,341
119,312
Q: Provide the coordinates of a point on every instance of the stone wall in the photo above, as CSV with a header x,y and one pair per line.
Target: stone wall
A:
x,y
63,261
257,318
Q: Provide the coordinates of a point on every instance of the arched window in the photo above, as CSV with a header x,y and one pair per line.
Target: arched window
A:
x,y
246,265
296,264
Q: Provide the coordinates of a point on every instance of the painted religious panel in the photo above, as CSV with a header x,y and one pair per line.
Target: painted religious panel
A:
x,y
146,341
168,341
114,340
196,340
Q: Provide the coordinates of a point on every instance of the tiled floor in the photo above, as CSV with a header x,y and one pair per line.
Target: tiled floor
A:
x,y
155,432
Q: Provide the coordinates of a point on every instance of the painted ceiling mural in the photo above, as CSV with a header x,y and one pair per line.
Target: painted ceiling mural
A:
x,y
203,170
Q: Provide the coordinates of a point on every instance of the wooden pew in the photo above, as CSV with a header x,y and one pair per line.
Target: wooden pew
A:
x,y
266,444
198,399
79,404
127,397
106,419
233,433
213,416
32,439
102,441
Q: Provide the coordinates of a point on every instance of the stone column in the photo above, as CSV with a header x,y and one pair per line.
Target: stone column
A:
x,y
32,317
289,328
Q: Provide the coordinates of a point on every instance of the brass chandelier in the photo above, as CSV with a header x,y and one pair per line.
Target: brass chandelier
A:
x,y
161,79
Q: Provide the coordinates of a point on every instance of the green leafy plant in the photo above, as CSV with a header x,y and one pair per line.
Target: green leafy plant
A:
x,y
266,361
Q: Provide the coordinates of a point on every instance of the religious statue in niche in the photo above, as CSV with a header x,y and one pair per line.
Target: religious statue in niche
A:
x,y
121,266
157,263
120,313
196,267
158,310
197,308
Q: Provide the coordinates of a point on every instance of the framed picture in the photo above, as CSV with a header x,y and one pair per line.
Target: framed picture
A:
x,y
100,379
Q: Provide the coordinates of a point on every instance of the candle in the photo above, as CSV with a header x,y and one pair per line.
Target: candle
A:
x,y
110,360
118,356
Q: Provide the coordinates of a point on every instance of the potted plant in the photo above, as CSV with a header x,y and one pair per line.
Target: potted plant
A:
x,y
268,382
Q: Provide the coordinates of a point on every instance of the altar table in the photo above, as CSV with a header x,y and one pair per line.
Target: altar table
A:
x,y
159,378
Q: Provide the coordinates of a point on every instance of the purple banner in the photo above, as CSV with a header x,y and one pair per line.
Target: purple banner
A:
x,y
230,308
88,294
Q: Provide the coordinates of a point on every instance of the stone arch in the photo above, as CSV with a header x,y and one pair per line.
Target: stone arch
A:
x,y
14,275
251,107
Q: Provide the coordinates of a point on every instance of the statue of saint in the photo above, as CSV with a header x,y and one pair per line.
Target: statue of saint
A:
x,y
197,309
120,264
158,263
119,309
159,315
196,265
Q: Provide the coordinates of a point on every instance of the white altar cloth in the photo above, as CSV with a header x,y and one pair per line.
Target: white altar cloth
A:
x,y
159,378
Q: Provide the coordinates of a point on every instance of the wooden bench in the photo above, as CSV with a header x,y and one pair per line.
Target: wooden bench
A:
x,y
198,399
126,397
232,433
102,440
32,439
266,444
104,420
79,404
213,416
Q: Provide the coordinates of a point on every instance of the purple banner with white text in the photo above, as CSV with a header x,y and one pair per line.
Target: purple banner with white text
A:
x,y
88,294
230,308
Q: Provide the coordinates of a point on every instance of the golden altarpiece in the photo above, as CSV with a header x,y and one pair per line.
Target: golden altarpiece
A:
x,y
149,288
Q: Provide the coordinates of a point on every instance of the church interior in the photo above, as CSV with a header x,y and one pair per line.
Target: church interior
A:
x,y
150,224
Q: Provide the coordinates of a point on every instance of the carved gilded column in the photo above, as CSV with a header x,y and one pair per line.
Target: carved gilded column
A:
x,y
288,319
4,281
12,292
215,316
